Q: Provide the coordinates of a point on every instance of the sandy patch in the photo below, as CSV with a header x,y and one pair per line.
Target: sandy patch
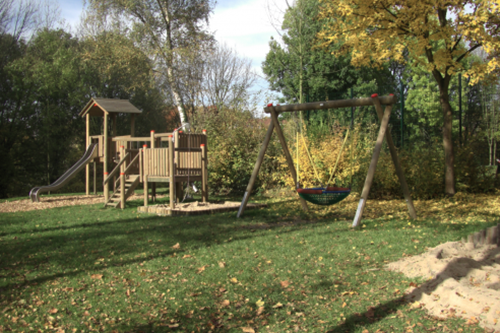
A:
x,y
195,208
52,202
463,281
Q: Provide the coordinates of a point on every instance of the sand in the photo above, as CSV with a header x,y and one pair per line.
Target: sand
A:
x,y
52,202
461,280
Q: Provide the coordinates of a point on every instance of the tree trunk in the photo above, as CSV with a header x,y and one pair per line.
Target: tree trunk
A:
x,y
176,95
449,158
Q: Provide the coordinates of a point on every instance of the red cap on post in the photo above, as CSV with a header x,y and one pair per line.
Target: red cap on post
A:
x,y
145,146
122,173
152,131
270,104
374,95
180,131
122,146
106,173
170,136
204,130
95,104
202,145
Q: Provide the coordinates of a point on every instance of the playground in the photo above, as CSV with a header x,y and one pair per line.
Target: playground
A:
x,y
72,263
88,268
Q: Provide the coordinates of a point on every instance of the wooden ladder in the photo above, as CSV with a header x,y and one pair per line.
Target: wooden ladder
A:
x,y
131,183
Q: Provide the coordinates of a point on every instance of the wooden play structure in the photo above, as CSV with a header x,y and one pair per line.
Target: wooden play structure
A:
x,y
383,116
174,158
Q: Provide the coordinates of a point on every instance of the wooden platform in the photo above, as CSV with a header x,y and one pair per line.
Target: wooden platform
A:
x,y
196,208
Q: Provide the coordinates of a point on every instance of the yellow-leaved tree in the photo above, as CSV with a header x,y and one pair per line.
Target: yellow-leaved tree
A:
x,y
438,35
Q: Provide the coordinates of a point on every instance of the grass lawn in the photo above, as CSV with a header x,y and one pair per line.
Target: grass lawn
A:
x,y
277,269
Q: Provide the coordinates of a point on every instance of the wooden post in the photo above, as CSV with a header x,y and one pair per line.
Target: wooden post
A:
x,y
171,166
153,185
122,179
87,143
206,164
373,165
256,168
145,191
395,160
178,185
289,160
95,177
204,173
145,178
106,157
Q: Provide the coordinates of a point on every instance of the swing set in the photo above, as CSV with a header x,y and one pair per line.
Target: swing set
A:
x,y
332,195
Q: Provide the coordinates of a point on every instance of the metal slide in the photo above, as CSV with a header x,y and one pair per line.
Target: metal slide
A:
x,y
89,155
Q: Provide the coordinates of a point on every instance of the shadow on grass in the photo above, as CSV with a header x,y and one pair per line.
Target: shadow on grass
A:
x,y
377,313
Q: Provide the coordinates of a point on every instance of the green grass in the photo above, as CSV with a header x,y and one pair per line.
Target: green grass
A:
x,y
86,268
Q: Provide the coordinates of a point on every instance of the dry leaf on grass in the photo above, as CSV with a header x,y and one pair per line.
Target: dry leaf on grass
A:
x,y
96,276
247,330
277,305
201,269
176,246
53,310
285,284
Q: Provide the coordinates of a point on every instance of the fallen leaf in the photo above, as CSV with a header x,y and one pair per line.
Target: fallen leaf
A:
x,y
53,310
201,269
260,310
234,280
186,256
285,284
96,276
86,313
247,330
176,246
127,293
222,264
173,325
277,305
225,303
415,305
259,303
344,304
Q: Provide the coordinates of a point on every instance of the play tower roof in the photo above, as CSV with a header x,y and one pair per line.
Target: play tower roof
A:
x,y
96,107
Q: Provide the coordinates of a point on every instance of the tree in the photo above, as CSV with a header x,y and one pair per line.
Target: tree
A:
x,y
438,35
228,78
171,30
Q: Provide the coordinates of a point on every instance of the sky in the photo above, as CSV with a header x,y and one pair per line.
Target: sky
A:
x,y
241,24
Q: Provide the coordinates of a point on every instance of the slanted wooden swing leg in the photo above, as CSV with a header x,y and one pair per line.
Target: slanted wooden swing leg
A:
x,y
256,169
373,165
274,116
397,164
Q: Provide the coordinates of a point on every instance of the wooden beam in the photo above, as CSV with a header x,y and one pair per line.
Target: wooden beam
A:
x,y
106,157
289,160
171,166
395,160
256,168
373,165
87,143
342,103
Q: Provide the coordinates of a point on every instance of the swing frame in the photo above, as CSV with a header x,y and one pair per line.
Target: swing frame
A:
x,y
383,116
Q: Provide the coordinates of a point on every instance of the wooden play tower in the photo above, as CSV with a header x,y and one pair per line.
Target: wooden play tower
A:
x,y
174,158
